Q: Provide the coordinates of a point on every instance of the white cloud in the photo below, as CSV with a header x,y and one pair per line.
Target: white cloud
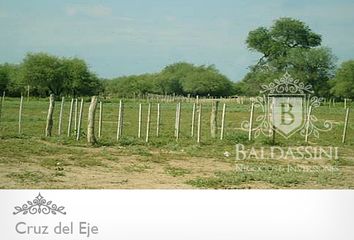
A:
x,y
88,10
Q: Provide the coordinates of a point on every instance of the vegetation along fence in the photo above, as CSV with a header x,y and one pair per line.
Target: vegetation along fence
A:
x,y
154,118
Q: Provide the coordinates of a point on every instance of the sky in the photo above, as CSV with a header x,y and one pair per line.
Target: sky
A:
x,y
123,37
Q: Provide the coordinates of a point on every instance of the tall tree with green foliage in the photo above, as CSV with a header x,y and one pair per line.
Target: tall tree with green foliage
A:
x,y
44,71
343,82
79,79
289,45
51,74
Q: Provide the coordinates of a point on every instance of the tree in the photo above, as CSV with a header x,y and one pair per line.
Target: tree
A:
x,y
171,77
79,79
11,80
179,78
44,71
50,74
289,45
343,82
129,86
285,34
207,81
4,77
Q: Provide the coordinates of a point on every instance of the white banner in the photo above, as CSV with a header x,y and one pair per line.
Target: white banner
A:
x,y
170,215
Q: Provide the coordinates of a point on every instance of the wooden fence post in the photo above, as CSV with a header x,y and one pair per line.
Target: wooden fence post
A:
x,y
80,120
70,117
345,103
199,122
100,120
139,121
158,120
61,115
251,123
178,120
308,119
148,123
76,110
120,120
20,115
213,119
223,121
345,125
91,121
49,126
193,120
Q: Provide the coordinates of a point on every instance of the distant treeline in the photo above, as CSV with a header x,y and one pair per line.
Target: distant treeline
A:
x,y
42,74
180,78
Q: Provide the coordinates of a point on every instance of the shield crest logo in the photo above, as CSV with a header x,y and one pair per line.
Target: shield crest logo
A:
x,y
287,113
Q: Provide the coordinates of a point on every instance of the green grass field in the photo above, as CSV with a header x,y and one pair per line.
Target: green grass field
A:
x,y
30,160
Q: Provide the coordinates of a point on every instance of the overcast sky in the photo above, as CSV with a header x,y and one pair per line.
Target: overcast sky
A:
x,y
122,37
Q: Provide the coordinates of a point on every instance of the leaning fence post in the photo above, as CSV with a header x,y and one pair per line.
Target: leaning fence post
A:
x,y
91,121
20,115
61,115
49,126
148,123
308,124
199,122
100,119
251,123
70,117
223,121
345,125
193,120
80,120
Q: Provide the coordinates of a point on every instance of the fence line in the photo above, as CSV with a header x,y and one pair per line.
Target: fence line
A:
x,y
195,120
